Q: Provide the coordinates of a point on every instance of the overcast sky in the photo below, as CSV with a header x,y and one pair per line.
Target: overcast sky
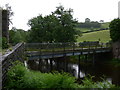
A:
x,y
96,10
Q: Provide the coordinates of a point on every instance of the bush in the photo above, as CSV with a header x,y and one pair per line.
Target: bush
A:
x,y
4,43
0,43
21,77
88,83
115,30
15,76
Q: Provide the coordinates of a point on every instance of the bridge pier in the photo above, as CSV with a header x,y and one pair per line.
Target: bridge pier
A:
x,y
40,63
93,57
66,64
86,57
46,62
51,65
79,66
57,64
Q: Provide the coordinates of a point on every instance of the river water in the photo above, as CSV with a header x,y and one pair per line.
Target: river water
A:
x,y
77,68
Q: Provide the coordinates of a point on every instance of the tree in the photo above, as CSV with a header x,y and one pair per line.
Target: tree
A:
x,y
11,13
66,25
56,27
42,28
17,35
101,21
87,20
115,30
4,43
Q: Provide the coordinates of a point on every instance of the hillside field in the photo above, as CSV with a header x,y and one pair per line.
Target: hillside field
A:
x,y
103,36
103,25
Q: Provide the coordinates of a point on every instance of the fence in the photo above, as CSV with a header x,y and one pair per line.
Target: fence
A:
x,y
17,53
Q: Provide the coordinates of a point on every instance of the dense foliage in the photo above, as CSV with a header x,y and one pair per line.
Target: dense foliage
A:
x,y
115,30
0,43
20,77
56,27
17,35
4,43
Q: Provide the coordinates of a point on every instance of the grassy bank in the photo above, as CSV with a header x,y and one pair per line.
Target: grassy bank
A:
x,y
20,77
103,36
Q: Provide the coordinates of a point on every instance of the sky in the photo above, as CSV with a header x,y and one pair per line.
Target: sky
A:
x,y
96,10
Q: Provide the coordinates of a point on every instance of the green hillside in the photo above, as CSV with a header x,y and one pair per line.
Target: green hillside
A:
x,y
103,26
84,29
103,36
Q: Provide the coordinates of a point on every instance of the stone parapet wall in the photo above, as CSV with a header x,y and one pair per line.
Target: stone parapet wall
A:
x,y
0,48
116,50
0,22
5,24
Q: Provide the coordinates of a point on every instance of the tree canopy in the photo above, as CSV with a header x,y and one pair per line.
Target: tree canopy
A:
x,y
56,27
115,30
17,35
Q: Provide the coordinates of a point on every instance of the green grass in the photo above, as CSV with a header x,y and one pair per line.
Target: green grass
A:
x,y
104,36
83,29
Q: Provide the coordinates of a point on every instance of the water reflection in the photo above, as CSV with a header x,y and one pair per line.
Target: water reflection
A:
x,y
79,70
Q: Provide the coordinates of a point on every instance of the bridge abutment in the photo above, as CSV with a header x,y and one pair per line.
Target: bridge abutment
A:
x,y
116,50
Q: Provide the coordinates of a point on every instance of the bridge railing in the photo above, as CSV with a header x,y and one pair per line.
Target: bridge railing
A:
x,y
53,48
17,53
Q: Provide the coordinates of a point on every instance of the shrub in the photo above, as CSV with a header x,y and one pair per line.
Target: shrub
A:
x,y
21,77
115,30
89,83
4,43
0,44
15,76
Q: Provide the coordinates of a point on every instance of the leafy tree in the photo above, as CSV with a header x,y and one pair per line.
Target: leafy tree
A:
x,y
42,28
56,27
66,30
101,21
115,30
17,35
87,20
